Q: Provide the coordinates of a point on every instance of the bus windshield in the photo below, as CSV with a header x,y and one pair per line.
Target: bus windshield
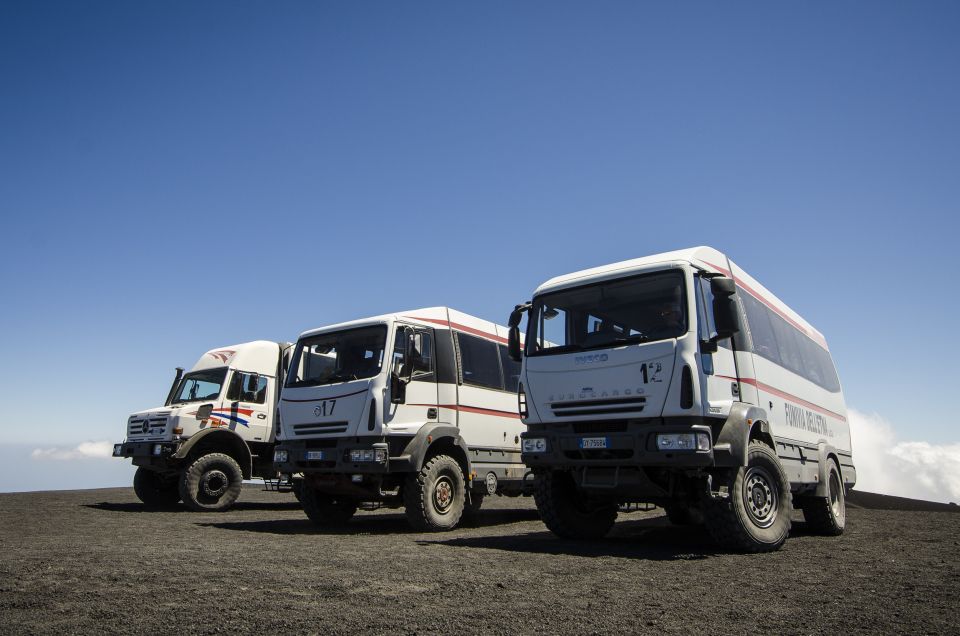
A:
x,y
339,356
610,313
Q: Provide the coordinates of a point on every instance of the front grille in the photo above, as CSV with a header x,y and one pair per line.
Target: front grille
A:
x,y
320,427
599,407
136,427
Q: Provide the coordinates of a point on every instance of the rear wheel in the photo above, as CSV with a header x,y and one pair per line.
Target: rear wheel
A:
x,y
154,489
326,510
755,517
567,512
211,483
827,515
435,497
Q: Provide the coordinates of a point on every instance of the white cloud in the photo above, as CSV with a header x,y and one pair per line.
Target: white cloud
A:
x,y
84,450
885,465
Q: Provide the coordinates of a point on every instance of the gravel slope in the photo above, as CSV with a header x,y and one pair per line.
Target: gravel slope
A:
x,y
95,561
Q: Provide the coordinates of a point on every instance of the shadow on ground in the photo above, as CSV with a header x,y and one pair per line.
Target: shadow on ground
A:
x,y
384,524
139,507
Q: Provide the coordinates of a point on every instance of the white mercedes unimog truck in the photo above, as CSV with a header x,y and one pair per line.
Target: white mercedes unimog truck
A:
x,y
415,409
215,429
679,380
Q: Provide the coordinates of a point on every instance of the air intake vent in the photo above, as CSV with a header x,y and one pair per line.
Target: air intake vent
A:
x,y
320,427
599,407
686,388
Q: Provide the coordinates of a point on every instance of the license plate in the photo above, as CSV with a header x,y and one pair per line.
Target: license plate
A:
x,y
313,456
593,442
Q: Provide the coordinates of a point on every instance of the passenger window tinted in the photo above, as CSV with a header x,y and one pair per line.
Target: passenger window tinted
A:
x,y
240,389
480,360
511,370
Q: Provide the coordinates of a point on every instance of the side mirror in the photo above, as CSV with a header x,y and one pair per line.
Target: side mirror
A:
x,y
513,334
253,382
204,411
398,389
412,354
726,318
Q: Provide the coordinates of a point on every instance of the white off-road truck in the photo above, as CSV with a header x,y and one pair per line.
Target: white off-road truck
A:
x,y
415,409
679,380
215,429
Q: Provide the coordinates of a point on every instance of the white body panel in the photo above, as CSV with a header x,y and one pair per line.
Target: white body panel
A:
x,y
251,419
798,409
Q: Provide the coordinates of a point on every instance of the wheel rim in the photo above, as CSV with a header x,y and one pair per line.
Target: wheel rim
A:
x,y
836,494
443,492
761,497
214,483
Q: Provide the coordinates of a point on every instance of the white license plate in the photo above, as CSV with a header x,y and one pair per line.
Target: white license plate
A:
x,y
313,456
593,442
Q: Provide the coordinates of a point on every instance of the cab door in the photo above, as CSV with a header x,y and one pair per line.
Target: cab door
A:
x,y
727,379
419,404
246,410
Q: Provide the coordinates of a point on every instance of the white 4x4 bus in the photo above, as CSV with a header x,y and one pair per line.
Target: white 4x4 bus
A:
x,y
679,380
415,409
215,429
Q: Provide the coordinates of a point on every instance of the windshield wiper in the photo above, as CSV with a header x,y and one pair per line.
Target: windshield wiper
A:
x,y
341,377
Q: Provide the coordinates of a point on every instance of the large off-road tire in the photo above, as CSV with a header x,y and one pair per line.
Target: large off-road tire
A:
x,y
211,483
827,515
684,515
567,512
154,489
756,515
434,497
326,510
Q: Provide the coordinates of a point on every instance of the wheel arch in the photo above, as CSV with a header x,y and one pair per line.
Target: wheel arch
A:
x,y
826,453
218,440
744,424
437,439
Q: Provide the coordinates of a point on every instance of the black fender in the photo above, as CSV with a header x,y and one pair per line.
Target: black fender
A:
x,y
732,444
824,452
429,436
219,440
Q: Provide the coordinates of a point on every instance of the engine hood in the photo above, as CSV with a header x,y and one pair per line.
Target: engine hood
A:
x,y
623,382
324,411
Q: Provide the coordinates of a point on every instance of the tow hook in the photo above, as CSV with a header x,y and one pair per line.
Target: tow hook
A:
x,y
723,493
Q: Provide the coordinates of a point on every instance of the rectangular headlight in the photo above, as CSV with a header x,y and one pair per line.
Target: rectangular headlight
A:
x,y
157,449
703,442
378,455
280,456
117,450
676,441
534,445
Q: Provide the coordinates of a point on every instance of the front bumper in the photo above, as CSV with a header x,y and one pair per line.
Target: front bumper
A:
x,y
306,456
156,450
632,444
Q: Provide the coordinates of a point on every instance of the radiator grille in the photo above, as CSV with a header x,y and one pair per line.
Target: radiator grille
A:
x,y
599,407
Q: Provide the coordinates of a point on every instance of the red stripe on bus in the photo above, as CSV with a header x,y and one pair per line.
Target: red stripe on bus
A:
x,y
786,396
473,409
456,325
816,337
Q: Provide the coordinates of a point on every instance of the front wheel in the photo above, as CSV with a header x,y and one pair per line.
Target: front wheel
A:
x,y
755,517
827,515
567,512
434,498
154,489
211,483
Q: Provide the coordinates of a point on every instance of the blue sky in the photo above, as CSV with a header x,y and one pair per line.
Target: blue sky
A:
x,y
180,176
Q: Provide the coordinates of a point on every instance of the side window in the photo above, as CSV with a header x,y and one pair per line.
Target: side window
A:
x,y
511,370
480,360
423,363
241,390
761,331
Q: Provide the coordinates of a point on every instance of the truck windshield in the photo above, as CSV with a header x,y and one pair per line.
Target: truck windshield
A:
x,y
340,356
200,385
610,313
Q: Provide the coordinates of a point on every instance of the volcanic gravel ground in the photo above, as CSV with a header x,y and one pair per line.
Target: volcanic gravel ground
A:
x,y
97,562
